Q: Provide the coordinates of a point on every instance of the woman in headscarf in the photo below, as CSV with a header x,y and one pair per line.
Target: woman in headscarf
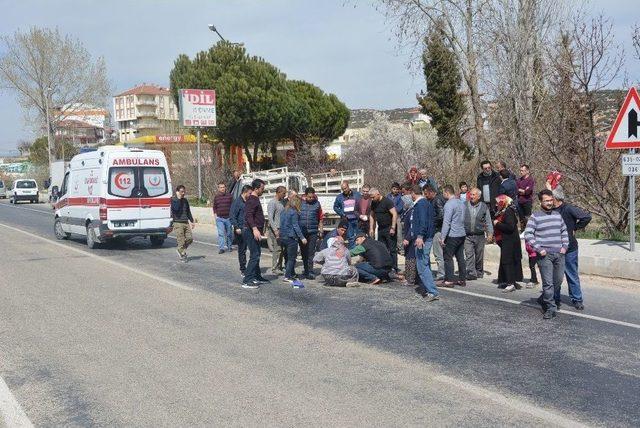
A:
x,y
336,269
506,235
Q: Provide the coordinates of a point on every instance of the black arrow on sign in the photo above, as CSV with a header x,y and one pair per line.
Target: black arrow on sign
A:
x,y
633,123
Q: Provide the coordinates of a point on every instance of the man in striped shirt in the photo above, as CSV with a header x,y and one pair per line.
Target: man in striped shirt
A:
x,y
547,234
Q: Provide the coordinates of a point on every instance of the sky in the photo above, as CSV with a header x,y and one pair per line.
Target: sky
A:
x,y
345,47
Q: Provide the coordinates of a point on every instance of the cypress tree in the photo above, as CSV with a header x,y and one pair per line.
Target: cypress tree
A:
x,y
443,101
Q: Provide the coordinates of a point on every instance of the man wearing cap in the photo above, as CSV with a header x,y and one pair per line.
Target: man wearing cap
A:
x,y
377,265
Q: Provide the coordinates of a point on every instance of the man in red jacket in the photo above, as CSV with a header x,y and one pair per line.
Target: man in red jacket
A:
x,y
221,210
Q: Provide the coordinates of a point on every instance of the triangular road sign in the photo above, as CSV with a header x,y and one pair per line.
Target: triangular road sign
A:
x,y
625,133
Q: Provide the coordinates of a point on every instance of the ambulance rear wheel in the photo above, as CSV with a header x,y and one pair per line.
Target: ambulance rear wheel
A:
x,y
57,229
156,241
92,239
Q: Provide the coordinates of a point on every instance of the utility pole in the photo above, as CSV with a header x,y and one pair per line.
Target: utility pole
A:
x,y
199,164
49,150
632,209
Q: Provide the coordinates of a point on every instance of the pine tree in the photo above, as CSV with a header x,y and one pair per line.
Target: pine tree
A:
x,y
443,101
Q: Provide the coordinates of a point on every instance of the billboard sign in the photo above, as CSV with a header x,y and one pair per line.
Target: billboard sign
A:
x,y
197,107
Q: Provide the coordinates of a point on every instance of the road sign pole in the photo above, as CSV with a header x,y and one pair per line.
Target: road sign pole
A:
x,y
632,209
200,164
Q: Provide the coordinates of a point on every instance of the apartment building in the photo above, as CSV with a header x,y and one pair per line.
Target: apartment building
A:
x,y
82,124
145,110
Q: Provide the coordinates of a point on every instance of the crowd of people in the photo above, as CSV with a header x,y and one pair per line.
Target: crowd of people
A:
x,y
419,220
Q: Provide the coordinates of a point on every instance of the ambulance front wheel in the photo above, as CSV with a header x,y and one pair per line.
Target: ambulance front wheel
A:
x,y
60,233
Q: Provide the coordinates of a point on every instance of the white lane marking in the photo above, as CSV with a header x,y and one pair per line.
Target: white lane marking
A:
x,y
103,259
521,303
11,411
519,405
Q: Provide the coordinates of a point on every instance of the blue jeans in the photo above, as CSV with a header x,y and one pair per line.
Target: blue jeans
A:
x,y
551,272
368,273
290,245
242,253
573,279
225,233
352,230
253,267
423,268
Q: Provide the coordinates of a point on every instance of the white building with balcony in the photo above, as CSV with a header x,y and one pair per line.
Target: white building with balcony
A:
x,y
145,110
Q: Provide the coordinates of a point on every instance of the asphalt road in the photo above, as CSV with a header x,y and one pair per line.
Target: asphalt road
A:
x,y
127,335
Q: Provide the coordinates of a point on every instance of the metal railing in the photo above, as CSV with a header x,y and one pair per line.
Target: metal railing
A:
x,y
329,182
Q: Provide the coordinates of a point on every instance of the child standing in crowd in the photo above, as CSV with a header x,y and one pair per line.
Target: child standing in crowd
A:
x,y
533,261
464,189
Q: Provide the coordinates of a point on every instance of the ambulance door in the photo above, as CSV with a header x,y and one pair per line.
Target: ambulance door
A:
x,y
62,204
123,198
155,205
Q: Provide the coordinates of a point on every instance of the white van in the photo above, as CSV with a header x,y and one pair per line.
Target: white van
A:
x,y
115,192
24,190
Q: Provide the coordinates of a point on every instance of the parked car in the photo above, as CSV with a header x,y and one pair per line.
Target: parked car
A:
x,y
3,190
24,190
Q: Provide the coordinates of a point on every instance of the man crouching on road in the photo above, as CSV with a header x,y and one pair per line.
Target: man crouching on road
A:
x,y
378,264
182,221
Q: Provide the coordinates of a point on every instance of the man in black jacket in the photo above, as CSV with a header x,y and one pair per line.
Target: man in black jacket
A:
x,y
182,222
252,235
237,224
378,264
489,183
575,219
438,201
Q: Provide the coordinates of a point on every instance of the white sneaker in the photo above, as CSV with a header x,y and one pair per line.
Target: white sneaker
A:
x,y
352,284
509,288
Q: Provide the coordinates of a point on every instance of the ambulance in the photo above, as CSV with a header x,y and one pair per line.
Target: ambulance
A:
x,y
115,192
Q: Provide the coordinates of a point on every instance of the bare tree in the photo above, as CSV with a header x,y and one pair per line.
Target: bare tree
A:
x,y
517,31
636,40
47,69
588,60
387,150
462,29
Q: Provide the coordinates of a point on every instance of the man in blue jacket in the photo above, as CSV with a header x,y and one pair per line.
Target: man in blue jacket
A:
x,y
311,224
347,207
422,231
